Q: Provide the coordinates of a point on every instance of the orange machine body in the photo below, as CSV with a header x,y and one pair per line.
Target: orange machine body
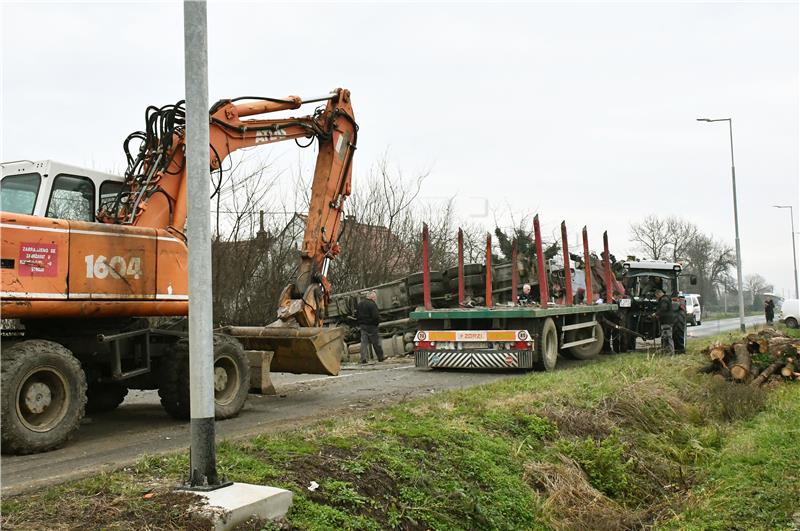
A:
x,y
59,268
134,263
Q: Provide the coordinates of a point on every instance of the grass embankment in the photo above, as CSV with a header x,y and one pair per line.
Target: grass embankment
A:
x,y
626,442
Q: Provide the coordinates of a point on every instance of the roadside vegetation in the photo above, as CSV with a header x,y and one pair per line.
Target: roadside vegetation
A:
x,y
716,316
630,441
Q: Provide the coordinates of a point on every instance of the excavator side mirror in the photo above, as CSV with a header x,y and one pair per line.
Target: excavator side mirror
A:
x,y
693,280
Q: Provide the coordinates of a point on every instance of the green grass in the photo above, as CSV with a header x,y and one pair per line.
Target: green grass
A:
x,y
627,441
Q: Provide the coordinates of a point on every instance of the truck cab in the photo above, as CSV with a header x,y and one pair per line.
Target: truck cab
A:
x,y
641,279
55,190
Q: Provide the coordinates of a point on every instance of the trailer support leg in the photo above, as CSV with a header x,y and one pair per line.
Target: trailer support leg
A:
x,y
426,270
460,267
567,269
544,295
587,264
607,267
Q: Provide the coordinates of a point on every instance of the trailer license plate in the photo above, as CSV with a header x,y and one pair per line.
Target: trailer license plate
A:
x,y
624,303
476,344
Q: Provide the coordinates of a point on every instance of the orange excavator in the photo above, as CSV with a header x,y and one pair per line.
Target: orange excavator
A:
x,y
85,288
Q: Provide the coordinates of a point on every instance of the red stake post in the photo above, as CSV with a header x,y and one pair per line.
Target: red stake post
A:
x,y
488,270
587,264
460,267
567,272
514,271
544,295
426,270
607,267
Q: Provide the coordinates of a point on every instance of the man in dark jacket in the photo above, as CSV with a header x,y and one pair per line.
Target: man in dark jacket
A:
x,y
666,317
769,310
368,318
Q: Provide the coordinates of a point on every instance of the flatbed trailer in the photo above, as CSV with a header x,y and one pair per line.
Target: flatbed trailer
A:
x,y
507,337
513,335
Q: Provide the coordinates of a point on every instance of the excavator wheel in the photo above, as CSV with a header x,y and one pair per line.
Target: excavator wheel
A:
x,y
105,396
43,396
231,379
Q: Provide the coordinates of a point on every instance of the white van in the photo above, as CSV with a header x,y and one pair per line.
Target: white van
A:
x,y
694,313
790,313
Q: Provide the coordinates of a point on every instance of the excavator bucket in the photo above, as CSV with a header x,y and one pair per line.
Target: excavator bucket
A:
x,y
296,350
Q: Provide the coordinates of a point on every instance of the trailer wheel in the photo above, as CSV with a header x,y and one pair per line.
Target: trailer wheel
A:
x,y
416,278
43,396
588,350
546,346
104,396
231,379
470,281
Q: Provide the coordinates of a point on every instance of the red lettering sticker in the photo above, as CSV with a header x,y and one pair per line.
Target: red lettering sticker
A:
x,y
38,259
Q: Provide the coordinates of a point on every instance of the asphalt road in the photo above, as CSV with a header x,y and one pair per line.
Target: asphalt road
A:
x,y
710,328
140,426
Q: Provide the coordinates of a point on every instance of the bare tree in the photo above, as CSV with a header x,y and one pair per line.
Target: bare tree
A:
x,y
756,285
652,237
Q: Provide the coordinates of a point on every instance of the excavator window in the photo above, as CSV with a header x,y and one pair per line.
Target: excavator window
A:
x,y
72,197
108,194
18,193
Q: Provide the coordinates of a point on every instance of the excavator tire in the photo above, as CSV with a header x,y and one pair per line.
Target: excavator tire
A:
x,y
231,379
43,396
104,396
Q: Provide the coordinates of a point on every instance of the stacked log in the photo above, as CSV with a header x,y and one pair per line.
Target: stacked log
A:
x,y
756,358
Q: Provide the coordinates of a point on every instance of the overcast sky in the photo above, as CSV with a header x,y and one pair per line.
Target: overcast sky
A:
x,y
582,112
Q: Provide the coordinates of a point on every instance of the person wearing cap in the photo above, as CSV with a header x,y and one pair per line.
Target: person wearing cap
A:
x,y
368,318
666,318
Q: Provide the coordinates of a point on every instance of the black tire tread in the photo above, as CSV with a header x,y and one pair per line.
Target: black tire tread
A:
x,y
104,397
13,357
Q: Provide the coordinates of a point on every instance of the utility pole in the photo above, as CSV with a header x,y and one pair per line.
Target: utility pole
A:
x,y
794,250
735,222
203,461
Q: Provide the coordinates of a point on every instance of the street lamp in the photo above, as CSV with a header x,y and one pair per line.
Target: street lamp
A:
x,y
794,251
735,221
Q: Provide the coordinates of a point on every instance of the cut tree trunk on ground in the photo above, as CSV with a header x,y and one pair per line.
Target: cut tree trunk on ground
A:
x,y
741,369
766,373
788,369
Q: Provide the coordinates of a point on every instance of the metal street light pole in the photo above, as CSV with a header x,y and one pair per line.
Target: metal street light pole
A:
x,y
794,251
735,222
203,465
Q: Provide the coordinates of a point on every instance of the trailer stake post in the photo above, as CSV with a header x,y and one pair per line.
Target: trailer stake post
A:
x,y
514,272
460,267
544,294
567,268
607,267
587,264
488,270
426,270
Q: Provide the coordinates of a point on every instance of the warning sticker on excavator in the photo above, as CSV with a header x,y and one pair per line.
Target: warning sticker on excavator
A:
x,y
38,259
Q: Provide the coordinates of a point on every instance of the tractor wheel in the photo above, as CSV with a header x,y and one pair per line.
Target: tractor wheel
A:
x,y
231,379
103,397
43,396
546,345
470,281
589,350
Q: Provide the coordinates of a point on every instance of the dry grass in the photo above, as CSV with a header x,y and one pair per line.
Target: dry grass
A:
x,y
572,503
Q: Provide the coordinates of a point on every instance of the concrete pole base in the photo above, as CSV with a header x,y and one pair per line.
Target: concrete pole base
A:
x,y
236,503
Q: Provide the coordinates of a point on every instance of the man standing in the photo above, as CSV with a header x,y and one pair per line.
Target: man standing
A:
x,y
368,319
769,310
666,317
